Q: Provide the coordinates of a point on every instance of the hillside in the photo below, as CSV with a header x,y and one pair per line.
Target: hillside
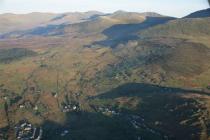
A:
x,y
192,29
75,22
180,28
12,22
194,25
70,18
200,14
117,76
16,22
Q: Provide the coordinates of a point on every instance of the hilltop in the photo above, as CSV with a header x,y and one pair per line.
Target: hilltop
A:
x,y
199,14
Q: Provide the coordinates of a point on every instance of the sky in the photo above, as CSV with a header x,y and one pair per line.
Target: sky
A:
x,y
177,8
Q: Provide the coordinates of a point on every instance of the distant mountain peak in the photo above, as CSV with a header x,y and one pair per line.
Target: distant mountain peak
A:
x,y
144,14
94,12
120,11
151,14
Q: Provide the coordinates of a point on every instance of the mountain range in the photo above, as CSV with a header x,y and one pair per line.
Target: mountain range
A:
x,y
116,76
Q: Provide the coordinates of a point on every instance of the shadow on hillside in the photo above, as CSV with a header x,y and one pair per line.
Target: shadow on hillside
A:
x,y
122,33
48,30
200,14
89,126
141,89
96,126
158,104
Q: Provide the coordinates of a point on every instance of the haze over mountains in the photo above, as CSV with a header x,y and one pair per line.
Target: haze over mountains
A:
x,y
117,76
51,22
14,22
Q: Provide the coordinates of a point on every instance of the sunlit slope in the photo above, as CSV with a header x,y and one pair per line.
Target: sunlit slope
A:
x,y
12,22
16,22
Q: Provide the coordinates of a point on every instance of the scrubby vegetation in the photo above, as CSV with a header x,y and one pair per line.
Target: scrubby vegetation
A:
x,y
8,55
180,28
86,83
